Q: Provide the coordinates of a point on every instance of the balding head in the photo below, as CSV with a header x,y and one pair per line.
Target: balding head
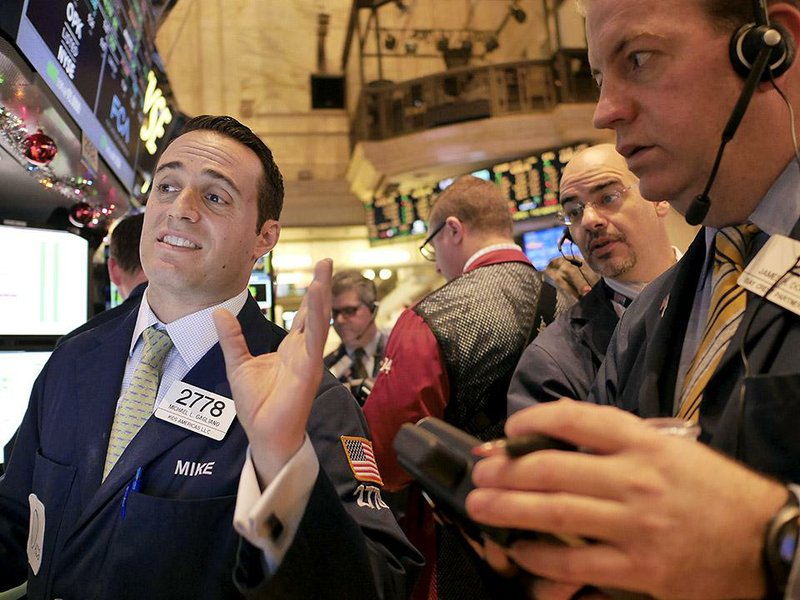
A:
x,y
621,235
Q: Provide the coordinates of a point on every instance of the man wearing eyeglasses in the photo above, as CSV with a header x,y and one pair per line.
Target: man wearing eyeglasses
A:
x,y
624,238
356,361
452,354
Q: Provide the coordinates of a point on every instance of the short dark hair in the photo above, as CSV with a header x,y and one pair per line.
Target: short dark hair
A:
x,y
352,279
475,202
124,244
270,190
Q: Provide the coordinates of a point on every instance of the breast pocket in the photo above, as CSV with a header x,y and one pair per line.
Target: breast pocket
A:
x,y
52,486
180,549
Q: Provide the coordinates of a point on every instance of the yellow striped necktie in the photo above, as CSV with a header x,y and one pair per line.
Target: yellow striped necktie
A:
x,y
728,302
136,404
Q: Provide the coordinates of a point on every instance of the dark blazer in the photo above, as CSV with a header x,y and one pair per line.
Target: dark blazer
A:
x,y
177,539
759,426
131,302
339,353
564,358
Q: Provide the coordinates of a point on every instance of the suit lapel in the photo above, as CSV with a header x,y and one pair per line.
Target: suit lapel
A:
x,y
96,400
596,319
665,329
156,436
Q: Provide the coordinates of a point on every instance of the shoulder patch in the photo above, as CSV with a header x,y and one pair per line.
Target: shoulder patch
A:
x,y
358,451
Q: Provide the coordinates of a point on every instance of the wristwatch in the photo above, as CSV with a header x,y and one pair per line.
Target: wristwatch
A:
x,y
780,546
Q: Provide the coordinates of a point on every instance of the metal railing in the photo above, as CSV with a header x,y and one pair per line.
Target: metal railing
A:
x,y
386,109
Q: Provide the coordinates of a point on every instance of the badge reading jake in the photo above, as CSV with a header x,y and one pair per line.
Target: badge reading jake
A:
x,y
361,458
197,410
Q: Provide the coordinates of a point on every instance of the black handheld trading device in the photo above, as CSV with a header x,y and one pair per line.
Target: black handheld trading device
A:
x,y
439,456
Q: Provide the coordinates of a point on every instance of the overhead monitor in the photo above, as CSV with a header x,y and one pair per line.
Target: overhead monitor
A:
x,y
541,245
43,281
99,59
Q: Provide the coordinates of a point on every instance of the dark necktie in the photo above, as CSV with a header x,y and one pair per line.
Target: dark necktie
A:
x,y
359,370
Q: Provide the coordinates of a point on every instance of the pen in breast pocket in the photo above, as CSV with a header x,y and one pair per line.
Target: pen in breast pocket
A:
x,y
133,486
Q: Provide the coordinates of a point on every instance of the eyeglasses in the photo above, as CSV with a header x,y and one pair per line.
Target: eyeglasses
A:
x,y
571,212
347,311
426,249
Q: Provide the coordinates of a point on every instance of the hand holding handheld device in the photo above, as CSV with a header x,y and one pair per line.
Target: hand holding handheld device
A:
x,y
440,457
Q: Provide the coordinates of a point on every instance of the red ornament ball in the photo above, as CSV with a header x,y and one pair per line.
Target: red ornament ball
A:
x,y
40,149
81,214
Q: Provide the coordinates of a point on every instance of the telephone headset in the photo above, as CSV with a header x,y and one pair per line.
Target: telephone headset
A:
x,y
373,308
759,51
571,259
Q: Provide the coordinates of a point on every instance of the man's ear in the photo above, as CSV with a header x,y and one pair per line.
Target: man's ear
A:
x,y
114,272
662,208
267,238
455,229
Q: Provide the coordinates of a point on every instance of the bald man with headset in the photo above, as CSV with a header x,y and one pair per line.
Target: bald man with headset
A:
x,y
624,238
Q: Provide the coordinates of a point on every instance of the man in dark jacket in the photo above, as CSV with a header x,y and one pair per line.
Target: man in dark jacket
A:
x,y
624,238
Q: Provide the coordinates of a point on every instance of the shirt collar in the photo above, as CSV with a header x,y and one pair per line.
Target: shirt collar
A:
x,y
369,349
193,335
486,250
779,210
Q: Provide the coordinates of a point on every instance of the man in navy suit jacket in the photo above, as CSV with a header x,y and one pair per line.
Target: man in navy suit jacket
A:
x,y
291,472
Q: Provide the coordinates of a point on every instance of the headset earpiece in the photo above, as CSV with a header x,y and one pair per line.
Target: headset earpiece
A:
x,y
748,41
572,259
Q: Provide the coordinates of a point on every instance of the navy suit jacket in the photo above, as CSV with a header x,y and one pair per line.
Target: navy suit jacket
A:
x,y
758,426
564,359
177,538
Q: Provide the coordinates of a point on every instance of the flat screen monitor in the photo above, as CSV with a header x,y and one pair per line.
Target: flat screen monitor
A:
x,y
18,370
43,281
541,245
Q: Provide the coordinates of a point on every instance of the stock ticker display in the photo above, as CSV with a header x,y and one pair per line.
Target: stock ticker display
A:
x,y
529,184
98,57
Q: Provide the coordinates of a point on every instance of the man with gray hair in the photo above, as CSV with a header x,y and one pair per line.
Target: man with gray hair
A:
x,y
357,359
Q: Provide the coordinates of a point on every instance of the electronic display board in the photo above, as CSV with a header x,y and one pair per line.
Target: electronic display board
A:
x,y
529,184
98,57
400,215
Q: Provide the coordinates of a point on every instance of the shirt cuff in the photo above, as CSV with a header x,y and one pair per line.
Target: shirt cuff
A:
x,y
793,585
270,520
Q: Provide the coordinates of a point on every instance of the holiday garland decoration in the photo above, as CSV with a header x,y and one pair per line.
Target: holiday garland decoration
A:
x,y
35,151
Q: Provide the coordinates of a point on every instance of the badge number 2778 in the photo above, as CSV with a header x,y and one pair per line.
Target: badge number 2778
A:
x,y
197,410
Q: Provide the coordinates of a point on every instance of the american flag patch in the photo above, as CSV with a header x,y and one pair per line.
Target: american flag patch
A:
x,y
361,458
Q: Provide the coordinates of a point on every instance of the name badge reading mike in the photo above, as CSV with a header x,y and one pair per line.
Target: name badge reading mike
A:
x,y
776,260
197,410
